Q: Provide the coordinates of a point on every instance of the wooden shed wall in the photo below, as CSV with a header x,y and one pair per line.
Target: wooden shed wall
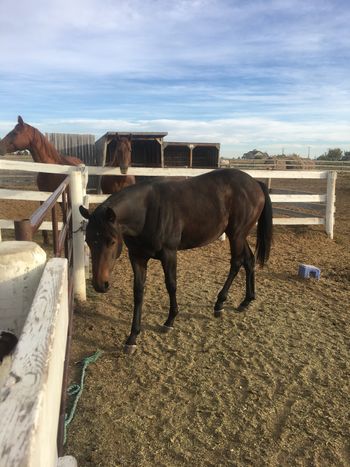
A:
x,y
81,146
205,157
177,156
146,153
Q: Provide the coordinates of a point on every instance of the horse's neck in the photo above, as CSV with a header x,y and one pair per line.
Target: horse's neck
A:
x,y
43,151
131,218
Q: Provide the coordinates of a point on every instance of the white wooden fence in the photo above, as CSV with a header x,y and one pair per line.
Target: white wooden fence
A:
x,y
79,179
289,164
31,395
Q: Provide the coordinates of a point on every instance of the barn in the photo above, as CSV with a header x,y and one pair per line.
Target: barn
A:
x,y
150,150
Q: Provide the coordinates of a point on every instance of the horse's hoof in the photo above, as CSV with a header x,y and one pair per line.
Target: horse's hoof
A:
x,y
166,329
218,313
130,349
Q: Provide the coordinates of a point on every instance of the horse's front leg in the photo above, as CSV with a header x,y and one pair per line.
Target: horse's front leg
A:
x,y
169,262
139,266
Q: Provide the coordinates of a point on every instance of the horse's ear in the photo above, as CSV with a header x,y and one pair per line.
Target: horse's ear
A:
x,y
20,120
84,212
110,215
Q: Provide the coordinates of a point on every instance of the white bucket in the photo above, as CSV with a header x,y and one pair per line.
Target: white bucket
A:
x,y
21,268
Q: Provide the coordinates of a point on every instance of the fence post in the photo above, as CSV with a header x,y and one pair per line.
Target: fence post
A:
x,y
330,206
87,250
76,191
23,230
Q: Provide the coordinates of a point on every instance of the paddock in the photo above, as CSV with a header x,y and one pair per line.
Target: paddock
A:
x,y
267,387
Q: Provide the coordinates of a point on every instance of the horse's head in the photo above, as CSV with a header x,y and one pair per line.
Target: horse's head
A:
x,y
122,153
103,236
19,138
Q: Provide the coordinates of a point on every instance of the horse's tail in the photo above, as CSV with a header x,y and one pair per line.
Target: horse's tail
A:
x,y
264,231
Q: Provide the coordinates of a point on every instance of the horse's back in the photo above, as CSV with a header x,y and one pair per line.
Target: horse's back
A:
x,y
220,190
193,212
201,208
115,183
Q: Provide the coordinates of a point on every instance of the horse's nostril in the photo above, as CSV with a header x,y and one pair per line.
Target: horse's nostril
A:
x,y
106,285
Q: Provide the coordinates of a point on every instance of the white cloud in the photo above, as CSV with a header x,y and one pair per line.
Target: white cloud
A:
x,y
235,135
241,73
164,37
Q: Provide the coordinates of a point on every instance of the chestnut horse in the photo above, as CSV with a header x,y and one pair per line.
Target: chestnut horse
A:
x,y
121,158
25,136
157,218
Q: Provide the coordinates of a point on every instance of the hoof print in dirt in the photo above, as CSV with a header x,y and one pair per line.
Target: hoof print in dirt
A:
x,y
244,307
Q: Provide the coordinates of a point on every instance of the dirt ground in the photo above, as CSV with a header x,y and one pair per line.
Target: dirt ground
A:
x,y
267,387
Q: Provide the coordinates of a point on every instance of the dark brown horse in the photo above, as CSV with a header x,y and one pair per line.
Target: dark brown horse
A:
x,y
157,218
121,158
25,136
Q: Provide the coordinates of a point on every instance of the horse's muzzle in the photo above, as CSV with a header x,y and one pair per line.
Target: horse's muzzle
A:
x,y
101,288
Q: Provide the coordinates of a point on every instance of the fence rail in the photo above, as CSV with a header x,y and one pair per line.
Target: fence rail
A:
x,y
289,164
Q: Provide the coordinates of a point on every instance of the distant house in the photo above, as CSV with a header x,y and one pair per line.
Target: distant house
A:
x,y
255,154
224,162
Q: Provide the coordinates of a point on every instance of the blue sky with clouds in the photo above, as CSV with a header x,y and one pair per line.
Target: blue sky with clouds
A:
x,y
267,74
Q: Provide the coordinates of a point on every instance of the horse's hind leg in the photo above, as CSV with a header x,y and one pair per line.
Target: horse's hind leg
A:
x,y
249,266
169,263
237,252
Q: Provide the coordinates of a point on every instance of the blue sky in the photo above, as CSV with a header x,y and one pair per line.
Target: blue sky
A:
x,y
272,75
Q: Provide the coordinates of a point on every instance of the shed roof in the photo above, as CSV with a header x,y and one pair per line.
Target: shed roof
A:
x,y
187,143
135,134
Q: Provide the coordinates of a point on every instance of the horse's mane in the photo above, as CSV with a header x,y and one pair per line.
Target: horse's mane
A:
x,y
50,151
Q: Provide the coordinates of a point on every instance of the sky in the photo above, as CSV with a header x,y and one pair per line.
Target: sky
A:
x,y
272,75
